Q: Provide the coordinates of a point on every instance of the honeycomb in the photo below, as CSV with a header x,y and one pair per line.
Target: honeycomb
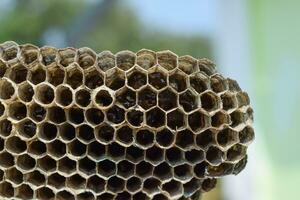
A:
x,y
148,125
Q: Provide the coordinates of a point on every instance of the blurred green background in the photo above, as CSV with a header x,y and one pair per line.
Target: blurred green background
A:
x,y
256,42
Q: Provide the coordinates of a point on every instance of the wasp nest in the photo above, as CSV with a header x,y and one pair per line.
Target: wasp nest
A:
x,y
148,125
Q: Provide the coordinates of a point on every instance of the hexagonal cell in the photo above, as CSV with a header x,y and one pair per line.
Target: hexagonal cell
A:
x,y
188,100
219,119
14,175
25,92
177,81
125,169
214,155
242,99
207,66
67,56
209,184
37,112
155,117
75,115
56,115
85,196
47,131
63,194
218,83
194,156
18,73
85,133
236,153
115,184
76,182
133,184
199,82
74,77
106,196
233,85
134,154
6,190
67,132
29,53
94,116
5,128
125,60
192,187
115,79
185,139
174,188
24,191
228,101
155,155
147,98
6,159
56,180
146,58
198,121
76,148
86,166
103,98
56,149
67,165
25,162
93,79
167,99
209,101
158,79
137,78
124,135
187,64
44,94
106,60
205,139
17,110
105,133
167,59
163,171
115,151
6,89
164,138
221,170
27,128
37,75
15,145
37,148
47,164
123,196
48,55
126,97
249,114
176,119
106,168
3,68
240,165
96,151
86,57
115,114
227,137
174,156
151,186
36,178
64,95
82,97
143,169
135,117
96,184
9,50
144,138
200,169
246,136
183,172
237,118
55,75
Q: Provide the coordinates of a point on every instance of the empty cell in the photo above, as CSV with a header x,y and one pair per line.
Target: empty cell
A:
x,y
37,148
24,191
205,139
47,131
246,135
174,156
214,155
2,109
67,56
96,184
144,138
115,79
147,98
123,196
18,73
164,138
3,68
236,152
67,131
155,117
63,194
103,98
137,79
44,94
135,117
93,79
125,169
160,197
183,172
167,59
25,92
192,187
242,99
240,166
219,119
64,95
175,119
25,162
96,150
209,101
163,171
105,133
14,176
74,77
106,60
56,180
17,110
9,51
87,166
151,186
218,83
76,182
157,79
167,99
226,137
66,165
6,89
198,120
15,145
133,184
83,97
36,178
47,164
5,127
237,118
146,58
45,193
94,116
134,154
124,135
37,112
194,156
76,148
140,196
55,75
6,159
106,168
174,188
115,114
126,97
75,115
178,81
125,60
209,184
6,190
56,149
206,66
143,169
155,155
221,170
29,54
37,75
229,101
188,101
85,133
56,115
85,196
115,184
106,196
115,151
86,57
187,64
48,55
185,139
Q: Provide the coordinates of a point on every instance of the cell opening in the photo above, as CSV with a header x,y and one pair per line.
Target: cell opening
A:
x,y
188,101
24,192
191,187
9,51
205,139
183,172
134,154
48,55
103,98
15,145
155,118
221,170
106,196
133,184
164,138
37,148
155,154
56,148
236,152
74,77
6,89
26,162
243,99
194,156
147,98
96,150
209,101
144,169
178,82
76,182
157,79
18,74
37,75
124,135
6,159
226,137
218,83
76,148
85,133
47,164
25,92
55,75
64,96
5,128
237,118
17,110
127,97
125,60
174,156
67,132
167,100
140,196
163,171
48,131
36,178
106,168
175,119
65,195
214,155
146,58
174,188
96,184
87,166
56,180
106,60
219,119
137,80
83,98
115,184
86,58
187,64
228,101
94,116
14,176
145,138
44,94
6,190
167,60
246,135
66,165
67,56
115,80
197,121
185,139
37,112
76,115
93,79
115,151
29,54
208,184
105,133
56,114
151,186
125,169
135,117
115,115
